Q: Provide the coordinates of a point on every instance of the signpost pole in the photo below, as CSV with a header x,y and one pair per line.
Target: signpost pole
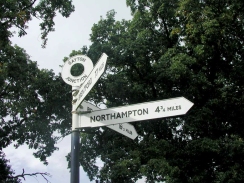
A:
x,y
75,157
75,143
76,82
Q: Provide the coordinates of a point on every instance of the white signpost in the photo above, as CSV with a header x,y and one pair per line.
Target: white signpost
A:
x,y
91,80
125,129
114,118
76,80
137,112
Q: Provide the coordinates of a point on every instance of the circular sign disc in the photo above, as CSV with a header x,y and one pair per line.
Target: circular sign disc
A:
x,y
76,80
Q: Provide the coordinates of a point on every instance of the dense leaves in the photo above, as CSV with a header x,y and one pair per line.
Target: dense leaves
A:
x,y
169,49
33,109
6,173
17,14
32,106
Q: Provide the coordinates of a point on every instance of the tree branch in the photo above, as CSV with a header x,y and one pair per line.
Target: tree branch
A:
x,y
30,5
20,28
31,174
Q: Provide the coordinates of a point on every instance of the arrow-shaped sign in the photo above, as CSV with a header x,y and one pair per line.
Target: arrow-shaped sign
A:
x,y
137,112
125,129
91,79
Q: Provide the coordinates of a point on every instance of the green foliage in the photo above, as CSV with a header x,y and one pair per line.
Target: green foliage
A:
x,y
17,14
169,49
32,107
32,104
6,174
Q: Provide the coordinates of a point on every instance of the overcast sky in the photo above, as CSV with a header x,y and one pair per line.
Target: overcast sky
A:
x,y
70,34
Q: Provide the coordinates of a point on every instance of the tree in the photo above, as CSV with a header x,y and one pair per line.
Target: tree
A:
x,y
17,14
7,174
31,104
32,109
5,171
170,49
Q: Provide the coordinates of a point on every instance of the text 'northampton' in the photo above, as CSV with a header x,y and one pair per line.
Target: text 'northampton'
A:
x,y
136,112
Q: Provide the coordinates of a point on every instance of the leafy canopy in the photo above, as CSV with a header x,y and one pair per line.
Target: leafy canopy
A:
x,y
33,109
170,49
32,104
17,14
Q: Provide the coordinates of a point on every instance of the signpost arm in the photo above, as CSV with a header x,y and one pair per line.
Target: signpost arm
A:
x,y
75,143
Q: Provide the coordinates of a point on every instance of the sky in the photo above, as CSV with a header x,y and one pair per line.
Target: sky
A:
x,y
70,34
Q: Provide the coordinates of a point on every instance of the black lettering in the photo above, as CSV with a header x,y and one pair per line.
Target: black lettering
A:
x,y
124,114
174,108
103,117
113,116
139,112
134,112
85,87
145,111
77,80
129,113
73,60
89,109
81,93
118,115
92,119
100,68
128,131
96,72
81,59
83,78
98,118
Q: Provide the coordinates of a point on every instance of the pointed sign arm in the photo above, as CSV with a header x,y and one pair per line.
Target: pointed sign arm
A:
x,y
137,112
